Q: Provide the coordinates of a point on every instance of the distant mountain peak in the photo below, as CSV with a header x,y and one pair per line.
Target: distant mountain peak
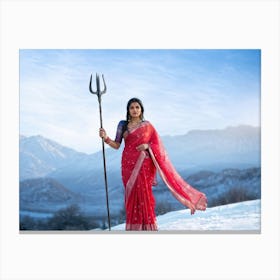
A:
x,y
239,127
40,155
242,127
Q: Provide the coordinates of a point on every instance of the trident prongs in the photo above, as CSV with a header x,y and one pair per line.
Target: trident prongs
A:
x,y
98,92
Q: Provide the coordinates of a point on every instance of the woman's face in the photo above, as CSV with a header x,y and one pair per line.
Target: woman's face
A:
x,y
135,110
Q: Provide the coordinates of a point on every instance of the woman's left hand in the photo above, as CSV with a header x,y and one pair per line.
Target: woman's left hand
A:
x,y
142,147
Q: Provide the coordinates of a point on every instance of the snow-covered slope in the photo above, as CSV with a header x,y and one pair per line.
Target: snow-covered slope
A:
x,y
242,216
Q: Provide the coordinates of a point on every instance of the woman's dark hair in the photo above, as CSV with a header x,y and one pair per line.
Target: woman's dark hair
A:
x,y
134,99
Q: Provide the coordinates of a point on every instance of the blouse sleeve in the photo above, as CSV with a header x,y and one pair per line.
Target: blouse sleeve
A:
x,y
120,130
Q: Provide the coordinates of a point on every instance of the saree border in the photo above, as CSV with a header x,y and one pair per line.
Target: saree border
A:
x,y
131,181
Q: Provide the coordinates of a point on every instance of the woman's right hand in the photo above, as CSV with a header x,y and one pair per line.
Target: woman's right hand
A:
x,y
102,133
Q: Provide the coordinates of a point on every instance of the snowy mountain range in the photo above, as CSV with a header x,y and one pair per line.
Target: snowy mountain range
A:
x,y
215,161
233,147
39,156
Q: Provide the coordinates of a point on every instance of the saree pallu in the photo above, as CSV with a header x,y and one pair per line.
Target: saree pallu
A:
x,y
138,175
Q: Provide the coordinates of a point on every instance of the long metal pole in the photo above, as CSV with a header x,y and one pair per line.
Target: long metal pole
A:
x,y
104,165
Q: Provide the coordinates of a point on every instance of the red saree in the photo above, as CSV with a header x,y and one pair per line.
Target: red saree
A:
x,y
138,175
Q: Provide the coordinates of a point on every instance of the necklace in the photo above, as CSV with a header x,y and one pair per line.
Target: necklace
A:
x,y
134,124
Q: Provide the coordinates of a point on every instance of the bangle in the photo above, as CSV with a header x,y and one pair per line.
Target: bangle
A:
x,y
107,140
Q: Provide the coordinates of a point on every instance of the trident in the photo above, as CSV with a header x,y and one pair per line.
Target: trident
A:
x,y
98,92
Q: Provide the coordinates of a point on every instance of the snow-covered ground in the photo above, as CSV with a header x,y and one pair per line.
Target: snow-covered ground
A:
x,y
242,216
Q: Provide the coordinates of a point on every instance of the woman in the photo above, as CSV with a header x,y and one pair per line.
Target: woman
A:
x,y
143,155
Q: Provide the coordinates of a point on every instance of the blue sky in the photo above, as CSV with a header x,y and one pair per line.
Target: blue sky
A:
x,y
181,90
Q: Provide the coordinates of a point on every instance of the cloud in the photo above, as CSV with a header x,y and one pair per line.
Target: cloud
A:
x,y
181,90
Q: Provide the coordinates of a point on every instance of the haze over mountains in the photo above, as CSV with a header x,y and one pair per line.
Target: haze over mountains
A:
x,y
216,149
200,156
